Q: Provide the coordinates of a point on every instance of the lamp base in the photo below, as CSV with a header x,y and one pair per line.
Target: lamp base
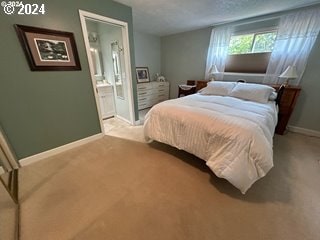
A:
x,y
286,83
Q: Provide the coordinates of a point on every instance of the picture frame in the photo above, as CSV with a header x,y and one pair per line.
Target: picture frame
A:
x,y
142,74
48,50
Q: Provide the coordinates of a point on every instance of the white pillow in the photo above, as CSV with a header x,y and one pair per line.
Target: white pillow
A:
x,y
218,88
253,92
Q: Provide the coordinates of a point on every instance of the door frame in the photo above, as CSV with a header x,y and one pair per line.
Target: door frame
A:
x,y
127,58
9,159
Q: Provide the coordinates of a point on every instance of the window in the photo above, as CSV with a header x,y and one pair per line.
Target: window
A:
x,y
252,43
250,53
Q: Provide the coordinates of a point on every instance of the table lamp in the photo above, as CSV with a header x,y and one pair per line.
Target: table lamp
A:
x,y
288,74
213,70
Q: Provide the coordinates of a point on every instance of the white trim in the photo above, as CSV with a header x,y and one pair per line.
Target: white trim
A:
x,y
9,156
256,31
127,59
244,74
40,156
123,119
91,67
126,46
304,131
138,122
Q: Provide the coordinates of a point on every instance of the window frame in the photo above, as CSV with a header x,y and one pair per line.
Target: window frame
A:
x,y
255,33
259,56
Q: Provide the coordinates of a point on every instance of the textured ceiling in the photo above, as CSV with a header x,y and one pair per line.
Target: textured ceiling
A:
x,y
165,17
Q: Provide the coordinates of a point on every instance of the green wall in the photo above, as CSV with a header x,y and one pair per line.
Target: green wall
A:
x,y
43,110
148,52
183,57
307,111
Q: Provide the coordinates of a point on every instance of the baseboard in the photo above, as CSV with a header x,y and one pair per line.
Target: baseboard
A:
x,y
35,158
304,131
138,122
123,119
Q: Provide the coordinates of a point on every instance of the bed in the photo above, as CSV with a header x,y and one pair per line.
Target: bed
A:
x,y
228,125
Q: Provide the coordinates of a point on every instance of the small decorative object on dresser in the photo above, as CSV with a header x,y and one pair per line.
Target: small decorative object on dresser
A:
x,y
286,106
142,74
152,93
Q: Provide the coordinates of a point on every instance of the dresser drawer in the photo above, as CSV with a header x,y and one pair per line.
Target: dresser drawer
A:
x,y
162,97
143,86
152,93
146,98
145,92
161,90
160,84
143,105
163,85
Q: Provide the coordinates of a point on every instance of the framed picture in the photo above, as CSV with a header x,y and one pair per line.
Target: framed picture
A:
x,y
142,74
48,50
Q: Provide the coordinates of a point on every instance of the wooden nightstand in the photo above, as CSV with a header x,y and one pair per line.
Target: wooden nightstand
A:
x,y
286,106
185,90
196,86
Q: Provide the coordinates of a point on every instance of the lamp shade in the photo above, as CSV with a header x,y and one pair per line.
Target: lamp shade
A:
x,y
213,69
290,72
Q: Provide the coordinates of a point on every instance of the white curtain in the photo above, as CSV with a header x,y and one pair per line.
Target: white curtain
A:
x,y
296,35
218,50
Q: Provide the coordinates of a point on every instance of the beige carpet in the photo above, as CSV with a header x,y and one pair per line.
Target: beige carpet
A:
x,y
119,189
118,128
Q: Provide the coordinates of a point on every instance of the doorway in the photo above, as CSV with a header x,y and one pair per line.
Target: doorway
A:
x,y
108,52
9,197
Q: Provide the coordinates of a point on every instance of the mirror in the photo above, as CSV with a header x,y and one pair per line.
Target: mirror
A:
x,y
117,72
96,55
9,204
98,67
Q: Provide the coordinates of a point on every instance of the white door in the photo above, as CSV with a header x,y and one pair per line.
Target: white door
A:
x,y
107,32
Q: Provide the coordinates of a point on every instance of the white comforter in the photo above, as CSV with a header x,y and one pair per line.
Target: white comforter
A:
x,y
233,136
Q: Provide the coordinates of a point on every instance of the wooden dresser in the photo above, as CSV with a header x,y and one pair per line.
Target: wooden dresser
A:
x,y
286,106
152,93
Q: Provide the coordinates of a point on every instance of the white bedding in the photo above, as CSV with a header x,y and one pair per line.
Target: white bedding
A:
x,y
233,136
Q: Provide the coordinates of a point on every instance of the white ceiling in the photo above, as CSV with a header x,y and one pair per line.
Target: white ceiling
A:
x,y
165,17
